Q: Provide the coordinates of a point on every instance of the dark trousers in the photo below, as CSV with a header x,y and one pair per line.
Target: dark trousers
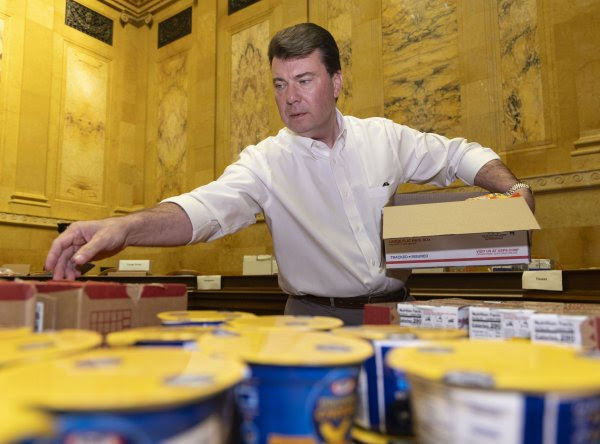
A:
x,y
322,306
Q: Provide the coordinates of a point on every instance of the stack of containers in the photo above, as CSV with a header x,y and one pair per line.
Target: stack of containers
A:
x,y
502,392
130,395
205,318
19,425
184,337
286,322
384,411
21,349
302,382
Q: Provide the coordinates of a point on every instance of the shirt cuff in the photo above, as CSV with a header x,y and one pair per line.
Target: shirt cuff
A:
x,y
472,162
205,225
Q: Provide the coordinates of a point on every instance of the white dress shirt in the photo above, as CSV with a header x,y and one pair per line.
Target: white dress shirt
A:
x,y
323,205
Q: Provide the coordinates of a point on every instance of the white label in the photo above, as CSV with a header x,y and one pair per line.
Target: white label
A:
x,y
361,417
543,280
486,417
557,329
484,323
39,317
409,315
134,265
515,323
209,282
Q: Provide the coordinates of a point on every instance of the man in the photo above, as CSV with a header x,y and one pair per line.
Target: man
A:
x,y
321,183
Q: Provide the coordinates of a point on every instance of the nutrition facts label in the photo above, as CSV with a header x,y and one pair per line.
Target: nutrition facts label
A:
x,y
106,321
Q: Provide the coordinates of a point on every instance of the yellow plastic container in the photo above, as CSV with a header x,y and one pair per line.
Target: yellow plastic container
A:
x,y
384,395
363,436
12,332
185,337
200,317
302,385
287,322
30,347
21,425
133,394
514,391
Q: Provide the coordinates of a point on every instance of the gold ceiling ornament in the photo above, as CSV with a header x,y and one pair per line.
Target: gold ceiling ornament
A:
x,y
138,12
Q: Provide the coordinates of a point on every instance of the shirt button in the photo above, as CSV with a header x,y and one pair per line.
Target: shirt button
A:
x,y
373,262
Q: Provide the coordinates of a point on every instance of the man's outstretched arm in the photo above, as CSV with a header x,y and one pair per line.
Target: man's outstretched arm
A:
x,y
164,225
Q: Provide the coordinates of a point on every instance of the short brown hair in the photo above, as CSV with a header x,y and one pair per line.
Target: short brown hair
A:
x,y
301,40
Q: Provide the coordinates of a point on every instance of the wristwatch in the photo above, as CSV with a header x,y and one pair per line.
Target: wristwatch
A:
x,y
516,187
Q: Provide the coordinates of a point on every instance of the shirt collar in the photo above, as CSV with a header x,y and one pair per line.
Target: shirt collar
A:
x,y
319,149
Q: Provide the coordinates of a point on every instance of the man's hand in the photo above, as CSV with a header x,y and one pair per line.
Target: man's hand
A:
x,y
164,225
494,176
83,242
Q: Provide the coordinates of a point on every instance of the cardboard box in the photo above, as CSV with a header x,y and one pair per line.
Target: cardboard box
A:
x,y
21,306
471,232
17,304
256,265
108,307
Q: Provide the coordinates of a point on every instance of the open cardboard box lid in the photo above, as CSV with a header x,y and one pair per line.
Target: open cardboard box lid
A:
x,y
463,217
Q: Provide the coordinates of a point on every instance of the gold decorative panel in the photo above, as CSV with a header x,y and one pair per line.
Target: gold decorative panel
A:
x,y
340,25
520,68
172,125
250,87
420,64
82,153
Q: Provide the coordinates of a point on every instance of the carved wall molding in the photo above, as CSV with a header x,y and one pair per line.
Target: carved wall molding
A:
x,y
555,182
30,221
587,144
36,200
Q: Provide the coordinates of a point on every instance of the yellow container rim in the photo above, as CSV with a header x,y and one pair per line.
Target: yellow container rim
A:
x,y
306,323
200,316
44,345
121,379
286,347
159,334
504,365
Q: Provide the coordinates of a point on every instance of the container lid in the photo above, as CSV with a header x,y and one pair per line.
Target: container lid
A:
x,y
18,424
286,347
121,379
392,332
363,436
201,316
135,336
511,365
35,346
12,332
288,322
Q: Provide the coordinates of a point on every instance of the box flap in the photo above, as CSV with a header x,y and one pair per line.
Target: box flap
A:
x,y
469,216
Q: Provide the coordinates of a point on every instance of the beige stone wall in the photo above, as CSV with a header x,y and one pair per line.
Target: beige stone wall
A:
x,y
92,130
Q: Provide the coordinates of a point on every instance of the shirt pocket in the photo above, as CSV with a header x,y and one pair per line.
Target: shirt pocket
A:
x,y
379,197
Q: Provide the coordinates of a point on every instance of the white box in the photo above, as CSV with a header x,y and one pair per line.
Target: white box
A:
x,y
470,232
260,264
208,282
515,323
484,323
135,265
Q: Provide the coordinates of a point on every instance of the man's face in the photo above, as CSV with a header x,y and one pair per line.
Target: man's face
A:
x,y
305,94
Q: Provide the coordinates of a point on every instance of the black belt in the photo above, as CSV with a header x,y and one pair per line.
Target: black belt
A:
x,y
356,301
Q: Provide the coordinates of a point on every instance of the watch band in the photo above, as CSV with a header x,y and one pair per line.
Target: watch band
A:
x,y
516,187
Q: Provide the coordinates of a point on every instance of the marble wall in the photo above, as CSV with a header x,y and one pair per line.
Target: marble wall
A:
x,y
172,125
251,88
420,64
90,130
81,162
